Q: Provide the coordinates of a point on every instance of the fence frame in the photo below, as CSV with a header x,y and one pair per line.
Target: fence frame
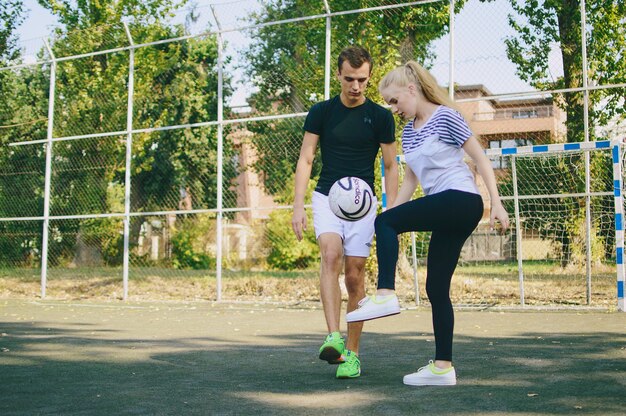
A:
x,y
221,123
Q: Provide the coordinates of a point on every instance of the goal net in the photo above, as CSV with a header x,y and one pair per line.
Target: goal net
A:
x,y
565,243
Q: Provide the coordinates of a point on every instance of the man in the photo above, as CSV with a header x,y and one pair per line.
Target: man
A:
x,y
350,129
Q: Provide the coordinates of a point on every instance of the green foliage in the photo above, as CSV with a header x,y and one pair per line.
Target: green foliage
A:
x,y
279,160
286,64
23,99
540,25
167,160
11,16
184,256
189,244
84,14
286,252
107,235
19,243
91,97
577,230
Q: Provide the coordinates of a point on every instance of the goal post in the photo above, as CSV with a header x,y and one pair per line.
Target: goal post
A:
x,y
566,203
618,187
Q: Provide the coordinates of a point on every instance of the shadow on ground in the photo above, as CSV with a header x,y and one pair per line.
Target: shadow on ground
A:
x,y
80,367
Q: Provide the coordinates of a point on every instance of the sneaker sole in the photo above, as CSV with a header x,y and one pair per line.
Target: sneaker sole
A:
x,y
331,355
429,384
350,376
371,319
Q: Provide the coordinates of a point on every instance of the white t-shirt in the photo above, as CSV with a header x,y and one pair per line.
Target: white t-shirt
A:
x,y
433,152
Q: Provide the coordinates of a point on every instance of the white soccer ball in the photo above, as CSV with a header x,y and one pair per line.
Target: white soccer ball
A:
x,y
350,198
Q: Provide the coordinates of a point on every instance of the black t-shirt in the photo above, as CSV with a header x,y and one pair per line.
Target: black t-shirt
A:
x,y
349,139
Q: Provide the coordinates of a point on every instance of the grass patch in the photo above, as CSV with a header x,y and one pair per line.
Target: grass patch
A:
x,y
545,283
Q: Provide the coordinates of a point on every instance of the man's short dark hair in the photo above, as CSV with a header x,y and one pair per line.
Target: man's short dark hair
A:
x,y
356,56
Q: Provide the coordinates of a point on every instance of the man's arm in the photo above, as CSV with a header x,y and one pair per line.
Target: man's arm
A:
x,y
408,187
391,171
303,174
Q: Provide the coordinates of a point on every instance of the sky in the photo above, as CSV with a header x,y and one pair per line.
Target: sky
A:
x,y
39,22
479,54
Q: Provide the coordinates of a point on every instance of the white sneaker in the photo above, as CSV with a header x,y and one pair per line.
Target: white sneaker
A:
x,y
431,376
373,307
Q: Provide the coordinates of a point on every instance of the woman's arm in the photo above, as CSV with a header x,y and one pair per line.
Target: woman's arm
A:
x,y
473,148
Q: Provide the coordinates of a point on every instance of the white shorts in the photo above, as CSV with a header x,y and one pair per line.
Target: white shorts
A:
x,y
356,235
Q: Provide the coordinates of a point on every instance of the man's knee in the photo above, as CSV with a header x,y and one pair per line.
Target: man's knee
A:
x,y
331,256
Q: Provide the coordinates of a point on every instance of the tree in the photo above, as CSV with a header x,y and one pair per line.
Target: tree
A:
x,y
83,14
286,64
19,190
542,24
91,97
11,16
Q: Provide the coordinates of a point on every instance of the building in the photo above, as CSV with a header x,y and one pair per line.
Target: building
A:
x,y
512,122
249,185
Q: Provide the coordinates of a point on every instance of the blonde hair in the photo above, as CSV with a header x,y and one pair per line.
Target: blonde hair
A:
x,y
414,73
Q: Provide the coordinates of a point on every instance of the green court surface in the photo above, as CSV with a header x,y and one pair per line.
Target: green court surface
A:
x,y
84,358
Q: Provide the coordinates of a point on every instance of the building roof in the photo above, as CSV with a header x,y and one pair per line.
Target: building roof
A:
x,y
480,90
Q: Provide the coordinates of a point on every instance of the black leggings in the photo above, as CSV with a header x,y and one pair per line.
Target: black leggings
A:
x,y
452,216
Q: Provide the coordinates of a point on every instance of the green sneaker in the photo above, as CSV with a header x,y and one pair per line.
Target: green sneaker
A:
x,y
351,368
332,348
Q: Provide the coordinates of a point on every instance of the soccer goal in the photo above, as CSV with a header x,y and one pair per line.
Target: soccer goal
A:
x,y
565,245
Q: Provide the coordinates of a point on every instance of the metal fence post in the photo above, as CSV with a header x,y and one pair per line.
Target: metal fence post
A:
x,y
518,233
327,51
220,156
129,155
48,173
451,52
587,155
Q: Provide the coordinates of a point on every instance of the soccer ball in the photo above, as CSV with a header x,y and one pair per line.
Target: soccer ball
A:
x,y
350,198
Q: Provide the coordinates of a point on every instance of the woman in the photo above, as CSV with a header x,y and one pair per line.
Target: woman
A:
x,y
434,142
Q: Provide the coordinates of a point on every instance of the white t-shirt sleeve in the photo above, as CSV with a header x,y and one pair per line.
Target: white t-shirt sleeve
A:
x,y
453,128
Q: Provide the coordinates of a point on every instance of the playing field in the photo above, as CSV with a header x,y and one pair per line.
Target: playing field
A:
x,y
229,359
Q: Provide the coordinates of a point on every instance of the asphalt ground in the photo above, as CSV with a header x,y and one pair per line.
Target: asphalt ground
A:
x,y
120,358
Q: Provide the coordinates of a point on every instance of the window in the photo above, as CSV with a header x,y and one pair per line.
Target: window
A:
x,y
525,114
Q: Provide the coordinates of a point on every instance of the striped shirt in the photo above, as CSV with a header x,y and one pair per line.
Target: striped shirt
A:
x,y
445,122
434,152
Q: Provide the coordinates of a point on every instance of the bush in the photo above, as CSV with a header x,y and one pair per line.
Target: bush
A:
x,y
286,252
106,235
189,245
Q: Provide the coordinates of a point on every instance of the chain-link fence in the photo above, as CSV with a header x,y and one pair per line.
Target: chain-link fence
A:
x,y
155,159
